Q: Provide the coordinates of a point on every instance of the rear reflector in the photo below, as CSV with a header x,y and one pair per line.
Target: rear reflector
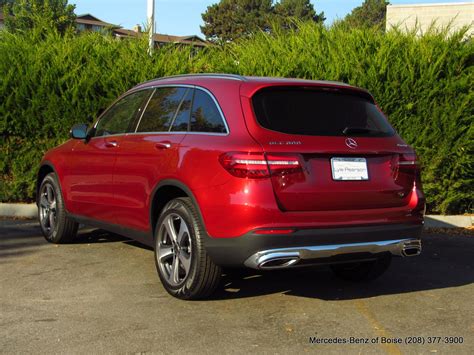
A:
x,y
257,165
274,231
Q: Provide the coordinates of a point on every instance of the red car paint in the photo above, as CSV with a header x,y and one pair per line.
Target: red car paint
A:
x,y
112,179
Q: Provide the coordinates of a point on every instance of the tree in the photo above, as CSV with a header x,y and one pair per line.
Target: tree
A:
x,y
5,2
288,10
371,13
232,19
39,15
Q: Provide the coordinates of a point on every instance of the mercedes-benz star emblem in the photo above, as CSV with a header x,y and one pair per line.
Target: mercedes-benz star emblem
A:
x,y
351,143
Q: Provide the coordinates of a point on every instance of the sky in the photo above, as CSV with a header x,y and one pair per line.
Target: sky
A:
x,y
183,17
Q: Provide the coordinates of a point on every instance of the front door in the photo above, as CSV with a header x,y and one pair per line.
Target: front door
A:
x,y
89,173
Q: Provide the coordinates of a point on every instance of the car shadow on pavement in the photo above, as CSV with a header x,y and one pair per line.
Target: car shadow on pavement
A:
x,y
93,236
446,261
21,237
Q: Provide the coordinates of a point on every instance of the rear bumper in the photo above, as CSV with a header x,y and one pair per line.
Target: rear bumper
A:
x,y
288,257
314,246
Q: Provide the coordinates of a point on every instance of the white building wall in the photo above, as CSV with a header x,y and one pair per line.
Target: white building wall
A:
x,y
406,17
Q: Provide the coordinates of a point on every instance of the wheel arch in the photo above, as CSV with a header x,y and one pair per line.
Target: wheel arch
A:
x,y
165,191
45,169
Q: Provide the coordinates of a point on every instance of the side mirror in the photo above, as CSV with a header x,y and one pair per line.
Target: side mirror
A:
x,y
79,131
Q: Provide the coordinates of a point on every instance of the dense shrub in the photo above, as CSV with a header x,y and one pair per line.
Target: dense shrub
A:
x,y
425,85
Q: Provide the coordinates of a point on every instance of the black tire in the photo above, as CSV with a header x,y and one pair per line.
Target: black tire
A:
x,y
362,271
183,265
55,225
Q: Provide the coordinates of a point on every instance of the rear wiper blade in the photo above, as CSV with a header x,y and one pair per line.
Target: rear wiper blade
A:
x,y
359,130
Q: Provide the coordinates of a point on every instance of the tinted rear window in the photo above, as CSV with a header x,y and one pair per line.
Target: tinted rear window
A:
x,y
318,112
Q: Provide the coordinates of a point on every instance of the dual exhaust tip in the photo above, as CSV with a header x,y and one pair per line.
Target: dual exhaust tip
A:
x,y
405,248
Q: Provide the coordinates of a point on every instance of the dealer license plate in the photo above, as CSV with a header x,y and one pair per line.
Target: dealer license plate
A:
x,y
349,169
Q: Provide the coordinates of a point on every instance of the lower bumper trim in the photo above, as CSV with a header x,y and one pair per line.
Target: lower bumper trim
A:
x,y
288,257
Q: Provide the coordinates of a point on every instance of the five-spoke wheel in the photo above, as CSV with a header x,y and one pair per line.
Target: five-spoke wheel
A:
x,y
184,267
55,224
47,208
174,249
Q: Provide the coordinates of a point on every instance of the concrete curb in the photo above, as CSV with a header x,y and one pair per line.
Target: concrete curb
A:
x,y
435,221
23,210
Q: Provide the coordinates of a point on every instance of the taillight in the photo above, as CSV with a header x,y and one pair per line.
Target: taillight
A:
x,y
407,161
245,165
258,166
283,164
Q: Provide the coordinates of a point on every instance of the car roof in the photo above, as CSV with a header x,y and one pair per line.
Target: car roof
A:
x,y
193,79
248,85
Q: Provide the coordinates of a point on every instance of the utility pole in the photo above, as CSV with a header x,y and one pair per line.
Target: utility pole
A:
x,y
151,25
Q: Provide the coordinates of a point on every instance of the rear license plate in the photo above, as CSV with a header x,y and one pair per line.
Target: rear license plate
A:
x,y
349,169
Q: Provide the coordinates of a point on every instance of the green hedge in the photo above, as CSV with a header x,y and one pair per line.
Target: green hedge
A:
x,y
425,85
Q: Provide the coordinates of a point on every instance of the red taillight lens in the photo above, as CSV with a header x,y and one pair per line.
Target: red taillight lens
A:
x,y
245,165
258,166
407,166
407,161
283,164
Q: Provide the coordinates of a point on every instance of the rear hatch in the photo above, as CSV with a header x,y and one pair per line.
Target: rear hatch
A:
x,y
329,148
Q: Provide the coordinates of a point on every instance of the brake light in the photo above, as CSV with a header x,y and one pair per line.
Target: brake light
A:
x,y
406,166
409,160
245,165
258,166
283,164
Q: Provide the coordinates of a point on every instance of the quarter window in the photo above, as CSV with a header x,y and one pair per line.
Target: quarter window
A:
x,y
161,109
205,115
119,117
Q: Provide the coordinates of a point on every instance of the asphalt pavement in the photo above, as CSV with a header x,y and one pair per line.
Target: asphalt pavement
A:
x,y
102,295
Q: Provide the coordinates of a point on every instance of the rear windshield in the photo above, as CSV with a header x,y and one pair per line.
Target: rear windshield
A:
x,y
319,112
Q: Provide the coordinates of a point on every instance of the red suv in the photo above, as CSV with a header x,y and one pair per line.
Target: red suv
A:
x,y
219,170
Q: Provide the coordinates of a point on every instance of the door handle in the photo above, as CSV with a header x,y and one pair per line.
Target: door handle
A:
x,y
163,145
111,144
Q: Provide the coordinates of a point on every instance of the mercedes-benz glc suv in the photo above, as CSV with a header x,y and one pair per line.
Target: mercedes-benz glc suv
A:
x,y
217,171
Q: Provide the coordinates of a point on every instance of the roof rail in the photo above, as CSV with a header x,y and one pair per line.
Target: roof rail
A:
x,y
201,75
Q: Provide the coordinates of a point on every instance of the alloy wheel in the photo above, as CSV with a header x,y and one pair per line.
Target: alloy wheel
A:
x,y
48,208
174,249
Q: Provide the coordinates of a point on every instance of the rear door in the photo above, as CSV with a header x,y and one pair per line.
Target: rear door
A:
x,y
346,154
150,153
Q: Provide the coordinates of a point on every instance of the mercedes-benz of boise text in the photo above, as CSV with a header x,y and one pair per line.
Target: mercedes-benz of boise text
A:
x,y
387,340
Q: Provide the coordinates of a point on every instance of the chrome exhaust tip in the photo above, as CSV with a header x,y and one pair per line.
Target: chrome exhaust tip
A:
x,y
278,262
411,248
289,257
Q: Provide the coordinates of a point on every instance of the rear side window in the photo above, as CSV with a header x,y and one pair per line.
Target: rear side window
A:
x,y
181,122
161,109
205,116
319,112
